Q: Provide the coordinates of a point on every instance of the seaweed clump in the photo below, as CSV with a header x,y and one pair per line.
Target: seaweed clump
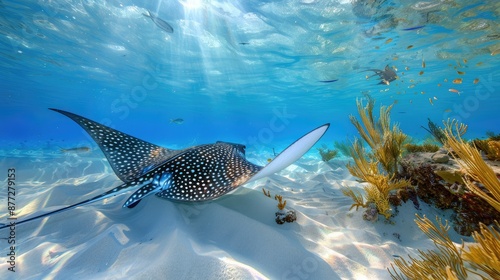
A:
x,y
436,132
492,136
424,148
283,215
491,148
327,154
379,168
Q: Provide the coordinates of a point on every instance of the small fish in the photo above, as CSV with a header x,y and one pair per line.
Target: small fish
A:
x,y
409,47
423,63
430,101
414,28
439,85
445,80
269,160
407,68
447,110
457,81
435,98
388,40
411,86
460,72
244,43
465,61
76,150
386,76
329,81
454,90
421,73
177,121
159,22
476,81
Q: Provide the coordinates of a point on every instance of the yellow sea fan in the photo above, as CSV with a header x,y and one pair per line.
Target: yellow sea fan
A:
x,y
485,256
433,264
471,161
357,197
381,201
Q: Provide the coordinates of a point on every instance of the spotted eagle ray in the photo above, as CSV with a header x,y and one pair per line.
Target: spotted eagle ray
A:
x,y
198,173
386,76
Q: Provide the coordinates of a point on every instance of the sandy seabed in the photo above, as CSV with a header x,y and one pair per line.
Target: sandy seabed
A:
x,y
234,237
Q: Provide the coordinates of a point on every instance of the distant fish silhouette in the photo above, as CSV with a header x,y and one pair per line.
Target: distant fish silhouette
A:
x,y
329,81
76,150
414,28
159,22
198,173
177,121
387,75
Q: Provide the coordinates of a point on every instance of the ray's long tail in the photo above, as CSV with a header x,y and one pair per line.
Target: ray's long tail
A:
x,y
105,195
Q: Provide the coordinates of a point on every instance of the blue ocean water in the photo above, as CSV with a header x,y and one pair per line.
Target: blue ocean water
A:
x,y
260,73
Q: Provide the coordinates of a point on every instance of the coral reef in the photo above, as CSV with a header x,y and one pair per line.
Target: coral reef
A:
x,y
475,167
327,154
440,157
429,186
482,258
443,185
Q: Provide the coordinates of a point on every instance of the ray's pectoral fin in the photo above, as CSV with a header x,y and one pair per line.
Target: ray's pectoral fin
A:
x,y
160,182
292,153
129,156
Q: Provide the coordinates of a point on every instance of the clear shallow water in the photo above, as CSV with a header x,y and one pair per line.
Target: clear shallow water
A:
x,y
247,72
233,69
